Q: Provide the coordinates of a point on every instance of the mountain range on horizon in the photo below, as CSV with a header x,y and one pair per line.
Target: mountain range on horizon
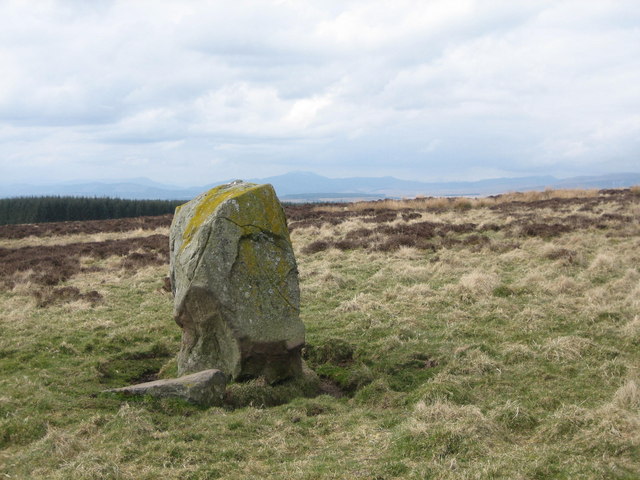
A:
x,y
310,187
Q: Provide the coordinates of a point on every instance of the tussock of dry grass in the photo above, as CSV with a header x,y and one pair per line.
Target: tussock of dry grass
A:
x,y
444,387
406,272
566,256
408,253
479,283
447,430
473,362
632,329
628,396
417,292
514,353
561,285
361,302
603,263
566,348
564,422
606,430
513,415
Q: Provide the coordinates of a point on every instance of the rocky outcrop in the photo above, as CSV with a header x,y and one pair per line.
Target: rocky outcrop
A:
x,y
235,284
204,388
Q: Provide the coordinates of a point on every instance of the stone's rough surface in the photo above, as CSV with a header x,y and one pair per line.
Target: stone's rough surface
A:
x,y
235,284
203,388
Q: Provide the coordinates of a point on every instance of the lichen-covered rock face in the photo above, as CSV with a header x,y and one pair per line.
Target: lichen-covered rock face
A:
x,y
235,284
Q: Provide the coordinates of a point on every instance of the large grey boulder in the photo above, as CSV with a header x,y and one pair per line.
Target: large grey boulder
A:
x,y
235,284
203,388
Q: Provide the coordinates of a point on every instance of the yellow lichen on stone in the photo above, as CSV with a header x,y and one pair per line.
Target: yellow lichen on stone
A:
x,y
212,200
273,273
249,258
267,213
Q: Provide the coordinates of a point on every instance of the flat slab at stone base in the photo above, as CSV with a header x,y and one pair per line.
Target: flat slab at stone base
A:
x,y
204,388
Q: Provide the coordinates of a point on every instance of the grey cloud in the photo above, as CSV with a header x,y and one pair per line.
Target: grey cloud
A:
x,y
415,89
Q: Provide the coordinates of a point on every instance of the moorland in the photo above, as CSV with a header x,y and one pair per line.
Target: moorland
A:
x,y
455,338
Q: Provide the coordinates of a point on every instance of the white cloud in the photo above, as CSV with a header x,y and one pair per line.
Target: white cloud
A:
x,y
408,88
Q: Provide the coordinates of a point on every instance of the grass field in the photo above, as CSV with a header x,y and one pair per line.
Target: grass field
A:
x,y
456,339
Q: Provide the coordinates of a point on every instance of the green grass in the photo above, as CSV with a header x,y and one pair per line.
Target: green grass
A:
x,y
490,364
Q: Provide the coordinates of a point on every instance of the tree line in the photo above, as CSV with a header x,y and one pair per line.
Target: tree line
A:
x,y
61,209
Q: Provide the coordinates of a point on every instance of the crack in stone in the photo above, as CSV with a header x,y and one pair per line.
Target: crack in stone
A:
x,y
271,238
195,269
203,250
277,289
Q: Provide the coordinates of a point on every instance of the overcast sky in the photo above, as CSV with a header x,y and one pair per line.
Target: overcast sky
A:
x,y
193,92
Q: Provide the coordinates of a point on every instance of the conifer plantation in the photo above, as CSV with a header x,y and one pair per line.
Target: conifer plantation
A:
x,y
63,209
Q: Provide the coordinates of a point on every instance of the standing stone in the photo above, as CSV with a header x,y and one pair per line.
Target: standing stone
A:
x,y
235,284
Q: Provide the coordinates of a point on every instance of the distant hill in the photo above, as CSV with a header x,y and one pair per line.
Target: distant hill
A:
x,y
307,186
